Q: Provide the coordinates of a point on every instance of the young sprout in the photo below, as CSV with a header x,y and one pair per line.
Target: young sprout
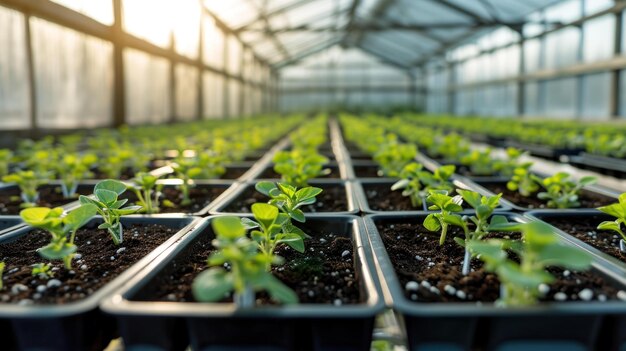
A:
x,y
446,205
481,223
6,156
507,166
145,186
71,169
561,190
2,265
481,162
288,198
207,165
523,181
28,182
42,271
62,229
109,207
618,211
392,156
296,167
247,273
538,249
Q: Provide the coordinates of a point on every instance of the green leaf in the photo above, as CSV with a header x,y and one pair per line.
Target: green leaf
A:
x,y
565,257
501,224
265,214
400,184
78,217
459,241
298,216
212,285
128,210
307,193
35,215
294,241
432,223
265,187
105,226
87,200
539,233
472,198
588,180
249,224
614,210
108,197
55,251
229,227
286,189
279,291
111,185
610,225
454,220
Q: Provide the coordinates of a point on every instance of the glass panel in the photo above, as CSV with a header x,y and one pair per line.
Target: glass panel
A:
x,y
595,6
213,46
561,97
186,27
14,81
596,96
100,10
233,98
532,106
213,95
73,77
594,48
234,55
561,48
147,88
186,92
153,26
532,55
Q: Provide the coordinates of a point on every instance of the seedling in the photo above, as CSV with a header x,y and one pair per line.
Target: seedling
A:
x,y
145,186
42,271
446,205
71,169
523,181
296,167
2,265
28,182
480,162
393,156
6,156
109,207
482,222
618,211
506,167
562,191
247,273
288,198
520,278
62,229
206,165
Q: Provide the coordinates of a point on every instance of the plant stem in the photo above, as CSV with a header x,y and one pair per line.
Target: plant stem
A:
x,y
245,299
444,232
466,262
622,245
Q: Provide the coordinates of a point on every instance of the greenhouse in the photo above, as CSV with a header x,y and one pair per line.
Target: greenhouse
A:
x,y
315,175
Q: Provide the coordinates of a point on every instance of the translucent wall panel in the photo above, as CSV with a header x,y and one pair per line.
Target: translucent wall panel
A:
x,y
532,99
622,93
561,97
73,77
213,45
185,17
599,38
14,87
353,99
186,92
595,6
234,55
100,10
532,55
147,88
561,48
148,19
596,96
233,98
213,95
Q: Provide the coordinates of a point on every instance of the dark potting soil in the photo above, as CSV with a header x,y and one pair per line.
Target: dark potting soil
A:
x,y
234,172
332,199
101,261
270,173
380,197
127,174
200,196
585,229
366,171
417,257
587,199
323,274
49,196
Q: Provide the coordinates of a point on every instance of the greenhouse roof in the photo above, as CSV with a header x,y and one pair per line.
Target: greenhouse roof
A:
x,y
401,33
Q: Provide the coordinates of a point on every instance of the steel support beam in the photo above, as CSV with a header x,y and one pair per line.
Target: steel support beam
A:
x,y
119,89
614,99
351,88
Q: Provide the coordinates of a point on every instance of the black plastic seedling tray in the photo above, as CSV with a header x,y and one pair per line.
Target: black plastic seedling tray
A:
x,y
78,325
468,326
10,223
221,326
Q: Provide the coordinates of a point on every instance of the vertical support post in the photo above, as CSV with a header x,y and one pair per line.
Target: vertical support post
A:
x,y
119,93
200,67
32,79
172,95
451,88
412,90
521,93
244,83
614,99
580,79
226,96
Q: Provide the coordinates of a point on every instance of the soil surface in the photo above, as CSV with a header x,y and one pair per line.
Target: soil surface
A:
x,y
418,258
323,274
587,199
332,199
366,171
49,196
127,174
585,229
100,261
270,173
234,172
380,197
